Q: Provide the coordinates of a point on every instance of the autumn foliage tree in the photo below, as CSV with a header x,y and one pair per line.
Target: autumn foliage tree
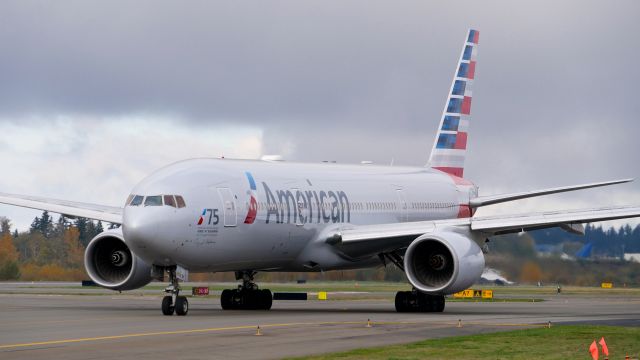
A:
x,y
9,269
54,250
531,272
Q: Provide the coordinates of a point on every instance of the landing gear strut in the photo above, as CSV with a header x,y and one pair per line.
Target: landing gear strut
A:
x,y
247,296
173,301
415,301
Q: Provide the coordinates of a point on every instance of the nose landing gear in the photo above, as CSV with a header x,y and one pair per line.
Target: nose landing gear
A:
x,y
247,296
173,302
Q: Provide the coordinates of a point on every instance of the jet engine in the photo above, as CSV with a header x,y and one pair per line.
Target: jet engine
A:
x,y
111,264
443,262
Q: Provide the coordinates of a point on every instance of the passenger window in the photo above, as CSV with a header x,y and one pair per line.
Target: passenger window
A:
x,y
137,200
169,200
180,201
153,201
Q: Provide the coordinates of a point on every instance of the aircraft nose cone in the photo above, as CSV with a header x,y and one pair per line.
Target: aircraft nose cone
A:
x,y
138,228
146,232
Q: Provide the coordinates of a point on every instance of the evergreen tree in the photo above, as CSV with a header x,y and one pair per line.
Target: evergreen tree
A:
x,y
91,230
81,224
46,224
5,226
35,225
60,226
99,228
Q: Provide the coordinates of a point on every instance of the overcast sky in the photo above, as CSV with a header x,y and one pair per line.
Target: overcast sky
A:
x,y
96,95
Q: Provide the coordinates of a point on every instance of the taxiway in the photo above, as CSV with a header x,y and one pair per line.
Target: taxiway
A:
x,y
121,326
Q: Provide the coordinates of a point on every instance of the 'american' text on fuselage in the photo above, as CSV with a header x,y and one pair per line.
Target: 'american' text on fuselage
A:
x,y
307,206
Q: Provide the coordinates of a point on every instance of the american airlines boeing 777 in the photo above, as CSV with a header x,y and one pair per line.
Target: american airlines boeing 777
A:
x,y
215,215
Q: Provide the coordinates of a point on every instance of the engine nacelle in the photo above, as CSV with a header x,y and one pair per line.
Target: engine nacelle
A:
x,y
111,264
443,262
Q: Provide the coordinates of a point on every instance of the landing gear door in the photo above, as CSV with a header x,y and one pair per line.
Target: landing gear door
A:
x,y
229,206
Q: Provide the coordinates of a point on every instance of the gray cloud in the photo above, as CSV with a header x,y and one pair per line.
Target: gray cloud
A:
x,y
554,100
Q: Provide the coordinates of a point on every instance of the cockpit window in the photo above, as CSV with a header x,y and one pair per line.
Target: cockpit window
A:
x,y
137,200
169,200
153,200
180,201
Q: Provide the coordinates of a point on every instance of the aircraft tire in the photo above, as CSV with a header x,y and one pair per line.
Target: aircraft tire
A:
x,y
266,299
401,301
256,299
225,299
440,303
167,306
433,304
182,306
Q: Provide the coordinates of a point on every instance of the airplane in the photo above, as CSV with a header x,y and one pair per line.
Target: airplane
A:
x,y
585,251
249,216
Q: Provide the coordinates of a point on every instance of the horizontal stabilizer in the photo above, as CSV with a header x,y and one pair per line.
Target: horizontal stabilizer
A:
x,y
496,199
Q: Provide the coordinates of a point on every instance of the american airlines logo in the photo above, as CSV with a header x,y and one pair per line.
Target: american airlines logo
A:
x,y
307,206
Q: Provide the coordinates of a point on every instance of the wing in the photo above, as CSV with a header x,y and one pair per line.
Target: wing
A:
x,y
110,214
496,225
496,199
366,240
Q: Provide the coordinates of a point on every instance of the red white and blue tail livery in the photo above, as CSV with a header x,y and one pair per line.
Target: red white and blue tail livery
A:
x,y
450,147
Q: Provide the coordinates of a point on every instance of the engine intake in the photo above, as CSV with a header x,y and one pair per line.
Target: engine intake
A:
x,y
111,264
443,262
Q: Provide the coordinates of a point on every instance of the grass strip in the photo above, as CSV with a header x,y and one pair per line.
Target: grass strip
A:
x,y
558,342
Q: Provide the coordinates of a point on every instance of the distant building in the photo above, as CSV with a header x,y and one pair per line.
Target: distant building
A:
x,y
632,257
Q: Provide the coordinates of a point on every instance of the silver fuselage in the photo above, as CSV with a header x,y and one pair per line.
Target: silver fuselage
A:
x,y
294,207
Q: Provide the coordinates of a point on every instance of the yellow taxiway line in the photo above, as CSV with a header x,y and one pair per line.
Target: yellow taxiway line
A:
x,y
245,327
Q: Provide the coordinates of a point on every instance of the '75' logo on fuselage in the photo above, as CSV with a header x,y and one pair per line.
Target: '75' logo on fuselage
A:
x,y
211,219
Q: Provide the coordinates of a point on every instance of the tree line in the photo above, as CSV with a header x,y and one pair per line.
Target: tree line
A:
x,y
50,250
516,257
53,249
610,242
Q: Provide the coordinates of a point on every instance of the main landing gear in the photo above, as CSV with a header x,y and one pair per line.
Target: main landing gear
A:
x,y
247,296
173,301
415,301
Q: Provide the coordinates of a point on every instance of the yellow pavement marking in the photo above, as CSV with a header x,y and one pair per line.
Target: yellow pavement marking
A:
x,y
175,332
244,327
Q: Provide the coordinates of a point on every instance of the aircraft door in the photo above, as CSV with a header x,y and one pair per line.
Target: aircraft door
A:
x,y
229,206
402,205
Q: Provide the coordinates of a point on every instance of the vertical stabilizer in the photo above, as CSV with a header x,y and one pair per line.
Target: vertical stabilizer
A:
x,y
450,147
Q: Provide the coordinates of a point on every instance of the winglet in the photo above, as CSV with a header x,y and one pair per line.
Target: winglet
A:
x,y
496,199
450,146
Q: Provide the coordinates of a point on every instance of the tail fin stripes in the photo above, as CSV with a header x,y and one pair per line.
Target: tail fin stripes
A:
x,y
450,147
